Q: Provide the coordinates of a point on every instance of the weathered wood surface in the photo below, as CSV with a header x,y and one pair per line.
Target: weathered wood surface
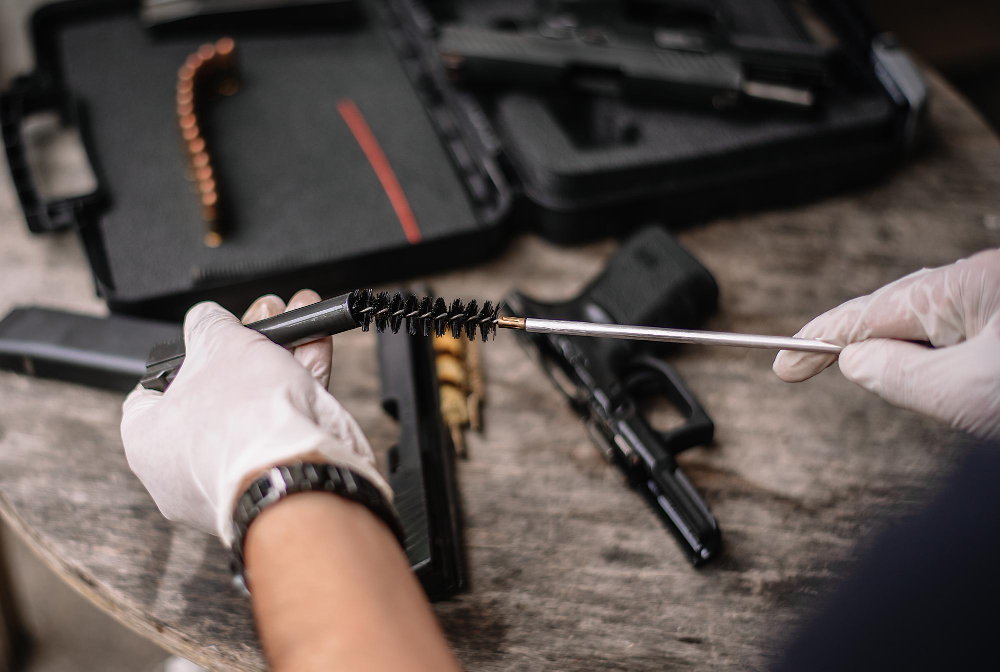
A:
x,y
569,570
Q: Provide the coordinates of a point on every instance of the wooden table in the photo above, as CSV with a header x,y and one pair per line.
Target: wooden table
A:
x,y
569,570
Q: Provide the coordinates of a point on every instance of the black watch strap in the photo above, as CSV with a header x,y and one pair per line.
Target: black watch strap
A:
x,y
279,482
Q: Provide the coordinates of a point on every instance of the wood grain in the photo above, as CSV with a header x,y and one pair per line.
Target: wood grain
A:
x,y
569,570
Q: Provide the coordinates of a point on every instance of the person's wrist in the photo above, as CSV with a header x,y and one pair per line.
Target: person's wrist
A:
x,y
253,464
356,575
281,482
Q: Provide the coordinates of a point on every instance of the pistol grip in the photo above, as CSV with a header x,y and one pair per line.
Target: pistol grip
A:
x,y
653,281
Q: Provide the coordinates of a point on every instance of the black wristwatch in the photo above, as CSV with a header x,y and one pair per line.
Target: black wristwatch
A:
x,y
279,482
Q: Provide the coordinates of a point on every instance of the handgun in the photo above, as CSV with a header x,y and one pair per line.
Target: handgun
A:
x,y
651,280
599,61
421,470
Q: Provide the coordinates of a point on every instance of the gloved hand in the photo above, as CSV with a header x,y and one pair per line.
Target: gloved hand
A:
x,y
240,404
955,308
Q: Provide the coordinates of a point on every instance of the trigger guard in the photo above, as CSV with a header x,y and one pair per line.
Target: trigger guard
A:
x,y
698,428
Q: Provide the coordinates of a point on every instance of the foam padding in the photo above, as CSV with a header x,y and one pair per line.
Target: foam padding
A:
x,y
294,181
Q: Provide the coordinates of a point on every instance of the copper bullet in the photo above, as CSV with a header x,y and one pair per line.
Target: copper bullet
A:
x,y
224,47
228,86
212,68
197,146
213,238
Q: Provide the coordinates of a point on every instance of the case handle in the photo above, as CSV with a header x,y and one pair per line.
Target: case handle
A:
x,y
28,95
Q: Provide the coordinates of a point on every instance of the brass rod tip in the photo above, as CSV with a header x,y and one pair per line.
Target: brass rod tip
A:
x,y
505,322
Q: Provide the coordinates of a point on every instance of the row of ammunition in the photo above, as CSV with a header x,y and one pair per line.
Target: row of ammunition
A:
x,y
211,70
461,387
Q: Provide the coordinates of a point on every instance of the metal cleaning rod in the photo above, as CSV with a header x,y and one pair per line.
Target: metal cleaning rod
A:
x,y
570,328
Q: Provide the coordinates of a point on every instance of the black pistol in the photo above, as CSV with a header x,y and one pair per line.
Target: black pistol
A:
x,y
652,281
596,61
421,471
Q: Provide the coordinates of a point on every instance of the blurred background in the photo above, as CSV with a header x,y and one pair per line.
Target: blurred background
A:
x,y
958,38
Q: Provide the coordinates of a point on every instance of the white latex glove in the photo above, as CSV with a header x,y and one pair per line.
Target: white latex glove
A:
x,y
239,405
954,308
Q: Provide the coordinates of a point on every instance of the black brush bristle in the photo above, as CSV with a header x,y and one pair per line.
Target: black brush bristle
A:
x,y
422,315
359,304
396,311
440,318
381,306
469,320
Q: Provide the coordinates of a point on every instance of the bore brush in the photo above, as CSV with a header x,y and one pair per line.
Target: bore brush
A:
x,y
429,315
361,308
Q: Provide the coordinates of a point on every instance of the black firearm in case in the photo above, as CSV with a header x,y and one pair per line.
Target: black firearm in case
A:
x,y
112,352
595,60
650,281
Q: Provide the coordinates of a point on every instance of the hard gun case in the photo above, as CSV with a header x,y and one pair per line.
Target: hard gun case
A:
x,y
589,163
307,207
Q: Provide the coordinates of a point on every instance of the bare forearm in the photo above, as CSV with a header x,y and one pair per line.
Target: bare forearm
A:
x,y
332,590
